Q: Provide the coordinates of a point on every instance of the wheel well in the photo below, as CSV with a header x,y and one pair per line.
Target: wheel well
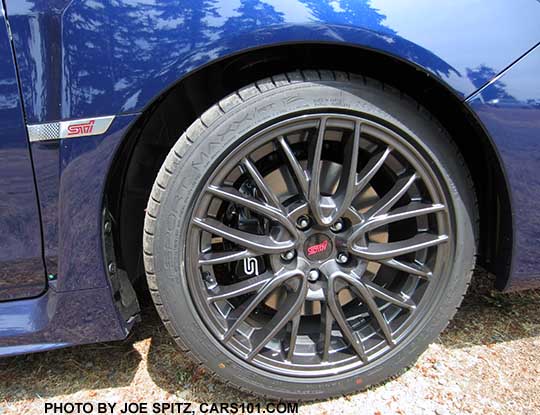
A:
x,y
146,146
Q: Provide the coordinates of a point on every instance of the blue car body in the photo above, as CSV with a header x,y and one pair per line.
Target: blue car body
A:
x,y
64,60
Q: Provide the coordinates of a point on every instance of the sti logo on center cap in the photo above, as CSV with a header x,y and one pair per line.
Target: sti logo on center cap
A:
x,y
318,247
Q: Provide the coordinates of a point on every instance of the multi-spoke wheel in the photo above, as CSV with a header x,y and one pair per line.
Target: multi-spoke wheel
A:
x,y
310,235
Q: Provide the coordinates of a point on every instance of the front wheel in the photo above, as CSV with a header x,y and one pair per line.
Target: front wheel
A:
x,y
310,235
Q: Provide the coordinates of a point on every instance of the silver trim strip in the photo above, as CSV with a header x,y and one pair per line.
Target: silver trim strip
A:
x,y
84,127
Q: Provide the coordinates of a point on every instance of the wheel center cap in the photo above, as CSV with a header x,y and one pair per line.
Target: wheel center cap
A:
x,y
318,247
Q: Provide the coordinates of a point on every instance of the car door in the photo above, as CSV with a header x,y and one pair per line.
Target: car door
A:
x,y
22,272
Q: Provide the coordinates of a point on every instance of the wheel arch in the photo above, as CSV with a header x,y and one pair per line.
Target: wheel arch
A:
x,y
164,119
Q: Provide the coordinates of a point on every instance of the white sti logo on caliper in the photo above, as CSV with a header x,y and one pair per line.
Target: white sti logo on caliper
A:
x,y
251,266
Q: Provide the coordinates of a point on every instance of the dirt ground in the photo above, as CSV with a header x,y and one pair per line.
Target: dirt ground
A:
x,y
486,362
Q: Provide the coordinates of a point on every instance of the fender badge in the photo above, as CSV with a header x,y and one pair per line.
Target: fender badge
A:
x,y
69,129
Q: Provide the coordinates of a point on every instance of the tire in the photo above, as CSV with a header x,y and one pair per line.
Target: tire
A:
x,y
334,362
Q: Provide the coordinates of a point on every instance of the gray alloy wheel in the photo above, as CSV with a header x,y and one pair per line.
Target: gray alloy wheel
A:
x,y
301,239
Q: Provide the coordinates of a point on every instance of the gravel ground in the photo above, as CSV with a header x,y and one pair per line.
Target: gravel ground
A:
x,y
487,361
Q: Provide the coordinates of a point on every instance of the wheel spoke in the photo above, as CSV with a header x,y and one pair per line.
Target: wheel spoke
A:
x,y
261,244
289,309
328,209
389,296
294,334
408,267
347,189
224,292
234,196
296,167
397,191
371,168
315,175
354,341
223,257
365,294
268,193
367,291
412,210
381,251
326,331
239,314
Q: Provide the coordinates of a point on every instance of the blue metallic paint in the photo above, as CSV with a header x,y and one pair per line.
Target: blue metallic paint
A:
x,y
510,110
78,308
84,58
21,265
59,319
97,57
78,200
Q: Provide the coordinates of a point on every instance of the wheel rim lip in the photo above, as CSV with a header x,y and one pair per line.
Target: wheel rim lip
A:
x,y
411,147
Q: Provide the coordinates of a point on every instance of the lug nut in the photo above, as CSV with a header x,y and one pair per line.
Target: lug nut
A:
x,y
313,275
303,223
342,258
289,255
210,280
337,226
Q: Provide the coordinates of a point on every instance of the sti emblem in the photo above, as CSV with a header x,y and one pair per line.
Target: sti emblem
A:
x,y
251,266
69,129
317,249
81,129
